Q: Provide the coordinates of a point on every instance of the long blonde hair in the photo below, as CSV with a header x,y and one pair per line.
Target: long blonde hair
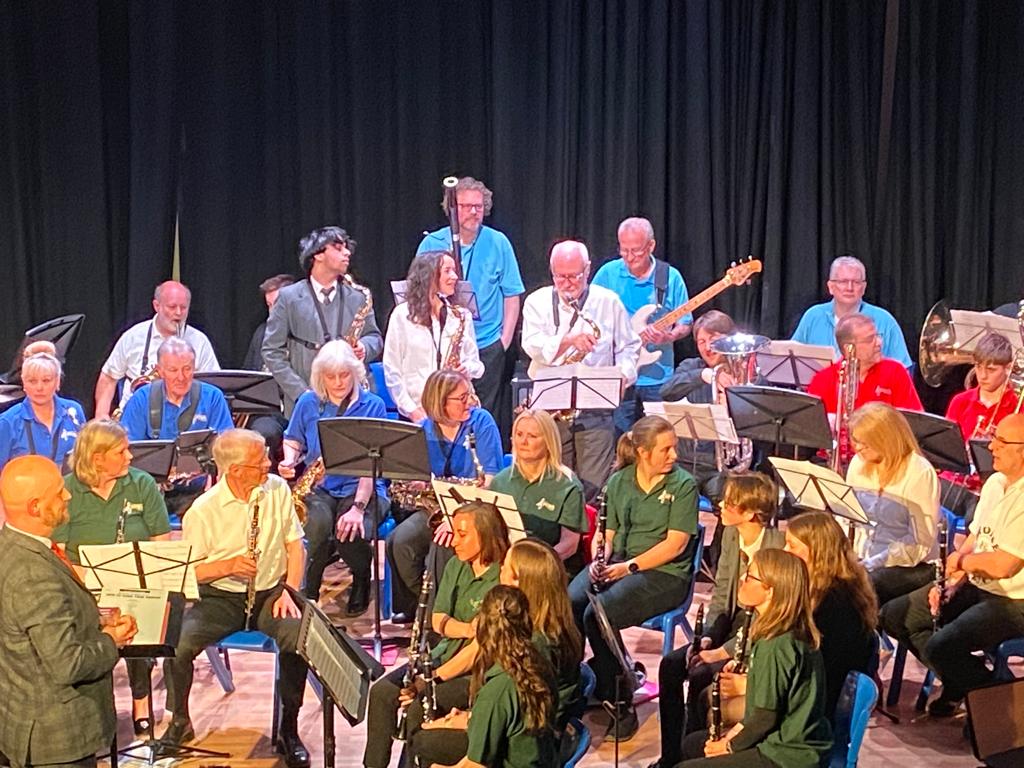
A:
x,y
790,607
885,430
97,436
549,436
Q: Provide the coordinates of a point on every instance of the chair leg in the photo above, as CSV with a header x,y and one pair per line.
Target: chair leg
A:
x,y
892,698
275,724
220,669
925,692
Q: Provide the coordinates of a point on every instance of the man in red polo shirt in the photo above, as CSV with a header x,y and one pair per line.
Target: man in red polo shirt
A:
x,y
979,409
881,379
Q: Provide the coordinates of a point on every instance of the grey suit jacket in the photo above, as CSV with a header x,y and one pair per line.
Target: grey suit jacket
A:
x,y
56,690
294,336
727,582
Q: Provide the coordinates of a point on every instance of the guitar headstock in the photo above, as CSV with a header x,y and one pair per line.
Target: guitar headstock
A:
x,y
741,273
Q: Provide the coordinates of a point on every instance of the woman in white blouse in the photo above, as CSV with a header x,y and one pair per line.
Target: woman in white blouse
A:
x,y
899,490
426,332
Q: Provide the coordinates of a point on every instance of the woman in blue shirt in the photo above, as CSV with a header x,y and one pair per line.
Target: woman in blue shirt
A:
x,y
44,423
451,422
338,507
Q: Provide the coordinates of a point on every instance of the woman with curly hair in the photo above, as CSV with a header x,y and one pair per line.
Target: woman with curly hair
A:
x,y
844,604
427,331
512,690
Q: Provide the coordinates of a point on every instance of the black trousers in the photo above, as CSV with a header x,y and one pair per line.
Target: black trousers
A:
x,y
972,620
86,762
322,513
493,387
893,581
409,550
382,713
214,617
138,676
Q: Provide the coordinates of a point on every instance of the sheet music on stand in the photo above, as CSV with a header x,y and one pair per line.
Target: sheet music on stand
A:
x,y
696,421
819,488
793,364
464,295
451,496
970,327
579,387
338,661
166,565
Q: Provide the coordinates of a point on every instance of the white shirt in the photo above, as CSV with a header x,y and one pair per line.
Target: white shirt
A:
x,y
126,361
619,345
906,514
999,524
48,543
411,354
318,288
217,527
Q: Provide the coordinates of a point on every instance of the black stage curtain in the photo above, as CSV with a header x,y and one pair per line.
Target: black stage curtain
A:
x,y
792,131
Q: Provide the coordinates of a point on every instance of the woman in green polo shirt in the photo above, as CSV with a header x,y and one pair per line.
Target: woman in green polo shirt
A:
x,y
112,500
548,494
784,724
512,689
649,546
537,571
480,540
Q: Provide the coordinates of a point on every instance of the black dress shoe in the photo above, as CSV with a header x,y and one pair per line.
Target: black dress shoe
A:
x,y
178,732
628,725
295,753
943,706
358,597
401,618
140,725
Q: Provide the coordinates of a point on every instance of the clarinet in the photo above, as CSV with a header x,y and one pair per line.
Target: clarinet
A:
x,y
599,537
743,643
417,650
715,727
478,467
698,635
122,518
253,554
940,572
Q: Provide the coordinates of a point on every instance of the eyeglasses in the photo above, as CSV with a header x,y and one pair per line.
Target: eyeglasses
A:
x,y
463,398
471,207
848,283
641,251
748,576
263,462
998,439
869,339
568,278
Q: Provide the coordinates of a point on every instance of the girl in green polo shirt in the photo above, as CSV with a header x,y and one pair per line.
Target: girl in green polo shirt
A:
x,y
784,725
512,690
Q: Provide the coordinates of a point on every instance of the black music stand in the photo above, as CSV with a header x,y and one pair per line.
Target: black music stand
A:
x,y
193,452
249,393
343,669
62,331
779,416
375,448
982,457
940,440
155,457
10,396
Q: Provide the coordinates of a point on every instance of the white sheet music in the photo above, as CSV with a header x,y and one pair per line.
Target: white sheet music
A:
x,y
344,678
506,505
819,488
970,327
149,608
777,362
696,421
597,386
166,565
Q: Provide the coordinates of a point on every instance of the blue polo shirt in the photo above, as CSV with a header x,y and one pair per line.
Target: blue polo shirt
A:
x,y
818,326
490,265
302,428
211,413
453,459
21,433
638,292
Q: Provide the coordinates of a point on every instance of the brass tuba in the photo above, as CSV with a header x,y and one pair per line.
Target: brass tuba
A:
x,y
938,349
739,353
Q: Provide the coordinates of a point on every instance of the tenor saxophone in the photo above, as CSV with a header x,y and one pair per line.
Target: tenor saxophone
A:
x,y
253,554
359,320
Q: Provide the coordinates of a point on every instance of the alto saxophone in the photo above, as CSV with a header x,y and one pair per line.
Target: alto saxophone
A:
x,y
418,653
304,486
253,554
576,355
356,328
453,360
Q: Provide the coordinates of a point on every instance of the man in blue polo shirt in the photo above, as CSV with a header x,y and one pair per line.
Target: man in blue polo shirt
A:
x,y
847,279
175,403
489,264
640,279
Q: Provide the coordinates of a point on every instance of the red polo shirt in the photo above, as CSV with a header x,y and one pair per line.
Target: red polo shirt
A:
x,y
887,381
966,409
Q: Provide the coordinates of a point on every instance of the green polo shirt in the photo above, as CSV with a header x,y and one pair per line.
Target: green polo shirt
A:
x,y
91,520
567,678
497,734
788,677
641,520
460,595
548,504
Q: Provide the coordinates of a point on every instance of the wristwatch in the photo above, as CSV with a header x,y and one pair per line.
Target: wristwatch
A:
x,y
360,505
633,567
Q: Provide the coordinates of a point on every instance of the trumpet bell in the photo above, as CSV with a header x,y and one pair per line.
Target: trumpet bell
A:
x,y
938,352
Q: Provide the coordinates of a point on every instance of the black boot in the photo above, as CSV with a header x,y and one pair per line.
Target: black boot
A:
x,y
359,596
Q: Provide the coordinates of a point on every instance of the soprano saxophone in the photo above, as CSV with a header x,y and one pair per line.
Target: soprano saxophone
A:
x,y
356,328
253,554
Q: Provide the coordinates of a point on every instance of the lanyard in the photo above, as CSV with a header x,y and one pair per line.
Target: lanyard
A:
x,y
57,421
320,311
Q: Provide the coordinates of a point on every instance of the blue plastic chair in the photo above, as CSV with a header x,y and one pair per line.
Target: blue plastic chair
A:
x,y
506,461
576,730
1001,657
251,640
380,388
383,531
668,621
856,701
